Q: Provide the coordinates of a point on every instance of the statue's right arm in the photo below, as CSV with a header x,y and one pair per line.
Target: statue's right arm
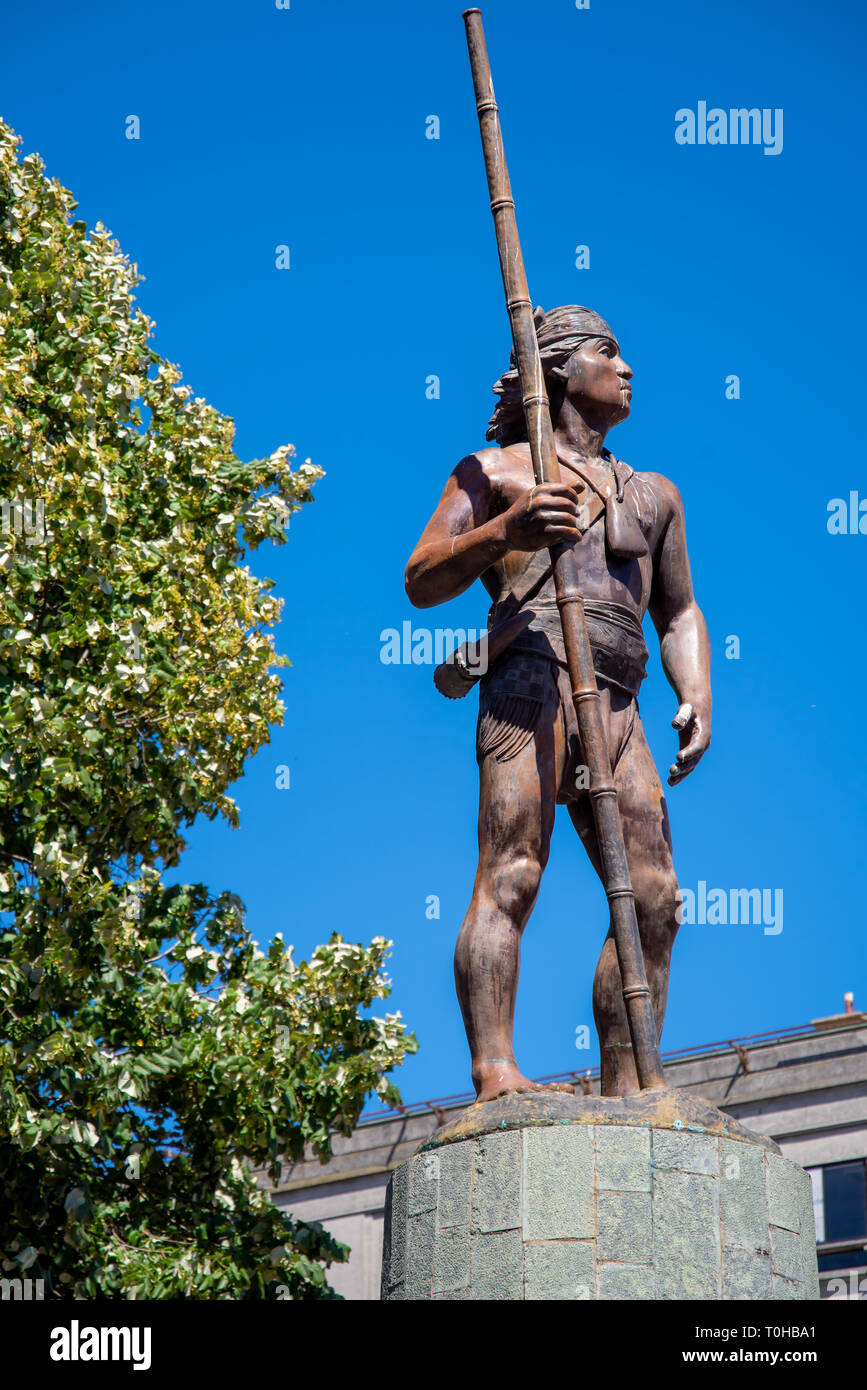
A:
x,y
472,529
459,542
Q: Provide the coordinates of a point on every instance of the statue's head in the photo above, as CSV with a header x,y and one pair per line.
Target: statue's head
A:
x,y
581,363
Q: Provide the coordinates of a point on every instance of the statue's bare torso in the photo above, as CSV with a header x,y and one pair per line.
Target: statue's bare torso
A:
x,y
508,474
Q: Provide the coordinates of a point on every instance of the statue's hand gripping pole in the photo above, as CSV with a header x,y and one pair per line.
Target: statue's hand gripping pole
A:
x,y
579,658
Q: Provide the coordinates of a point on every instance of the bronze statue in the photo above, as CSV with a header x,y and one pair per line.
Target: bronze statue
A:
x,y
493,523
558,711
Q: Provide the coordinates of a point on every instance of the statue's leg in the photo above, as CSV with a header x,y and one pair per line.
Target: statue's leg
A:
x,y
516,817
647,836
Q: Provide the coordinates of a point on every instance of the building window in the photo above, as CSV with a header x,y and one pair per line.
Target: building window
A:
x,y
840,1209
846,1200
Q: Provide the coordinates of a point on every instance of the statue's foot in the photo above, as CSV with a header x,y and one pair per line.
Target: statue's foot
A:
x,y
494,1078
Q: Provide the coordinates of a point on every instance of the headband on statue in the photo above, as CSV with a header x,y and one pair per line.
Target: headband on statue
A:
x,y
570,321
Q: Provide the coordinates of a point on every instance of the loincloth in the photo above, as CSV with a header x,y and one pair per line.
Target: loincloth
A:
x,y
528,688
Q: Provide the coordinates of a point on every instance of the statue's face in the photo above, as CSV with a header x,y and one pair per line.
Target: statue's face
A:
x,y
598,380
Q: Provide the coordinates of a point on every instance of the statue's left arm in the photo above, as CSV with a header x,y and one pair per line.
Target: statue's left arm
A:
x,y
683,637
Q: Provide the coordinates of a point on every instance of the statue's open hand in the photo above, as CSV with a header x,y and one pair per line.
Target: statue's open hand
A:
x,y
543,516
694,731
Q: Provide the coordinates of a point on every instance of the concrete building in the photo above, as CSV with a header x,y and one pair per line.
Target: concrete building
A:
x,y
804,1087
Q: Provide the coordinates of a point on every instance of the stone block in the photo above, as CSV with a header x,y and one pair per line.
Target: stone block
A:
x,y
742,1195
746,1273
808,1235
559,1270
622,1158
558,1182
420,1231
423,1176
624,1227
786,1254
497,1266
686,1243
686,1152
451,1259
620,1281
497,1182
394,1231
784,1197
455,1182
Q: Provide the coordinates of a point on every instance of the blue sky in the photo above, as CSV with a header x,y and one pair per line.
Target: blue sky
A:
x,y
306,127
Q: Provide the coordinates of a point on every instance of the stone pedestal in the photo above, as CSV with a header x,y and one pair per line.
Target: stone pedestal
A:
x,y
552,1196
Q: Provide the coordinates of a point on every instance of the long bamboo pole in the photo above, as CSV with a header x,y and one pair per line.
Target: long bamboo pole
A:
x,y
579,657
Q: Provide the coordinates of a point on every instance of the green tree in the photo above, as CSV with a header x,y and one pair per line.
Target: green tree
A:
x,y
152,1056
